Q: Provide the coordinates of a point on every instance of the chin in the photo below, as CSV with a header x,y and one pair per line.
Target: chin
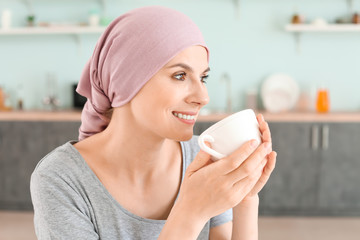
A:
x,y
183,137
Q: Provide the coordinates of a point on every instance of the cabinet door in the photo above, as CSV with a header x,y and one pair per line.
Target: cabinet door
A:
x,y
21,147
58,133
339,190
292,187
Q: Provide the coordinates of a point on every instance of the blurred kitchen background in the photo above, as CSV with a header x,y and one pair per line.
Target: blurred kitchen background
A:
x,y
296,61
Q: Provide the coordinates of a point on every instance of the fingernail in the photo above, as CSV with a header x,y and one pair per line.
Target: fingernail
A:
x,y
254,143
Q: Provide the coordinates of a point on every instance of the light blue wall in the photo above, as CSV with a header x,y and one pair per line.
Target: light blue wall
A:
x,y
249,47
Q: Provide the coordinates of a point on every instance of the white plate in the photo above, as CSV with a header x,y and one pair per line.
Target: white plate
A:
x,y
279,93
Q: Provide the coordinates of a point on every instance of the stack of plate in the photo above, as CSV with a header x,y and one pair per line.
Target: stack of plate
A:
x,y
279,93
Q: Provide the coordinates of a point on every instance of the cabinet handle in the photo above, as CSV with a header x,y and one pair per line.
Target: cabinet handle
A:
x,y
314,137
325,137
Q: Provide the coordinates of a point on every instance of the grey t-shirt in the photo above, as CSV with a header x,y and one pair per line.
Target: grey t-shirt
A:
x,y
70,202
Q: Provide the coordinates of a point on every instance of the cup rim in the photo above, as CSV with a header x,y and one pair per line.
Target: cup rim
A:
x,y
215,126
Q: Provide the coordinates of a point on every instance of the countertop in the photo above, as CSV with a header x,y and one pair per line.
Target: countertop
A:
x,y
270,117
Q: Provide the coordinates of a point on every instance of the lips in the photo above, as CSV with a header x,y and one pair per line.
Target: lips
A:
x,y
184,116
187,116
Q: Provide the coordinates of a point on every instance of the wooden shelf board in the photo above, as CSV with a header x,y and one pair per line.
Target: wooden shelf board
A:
x,y
323,28
51,30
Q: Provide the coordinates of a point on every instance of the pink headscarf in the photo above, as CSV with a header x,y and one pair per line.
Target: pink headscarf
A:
x,y
132,49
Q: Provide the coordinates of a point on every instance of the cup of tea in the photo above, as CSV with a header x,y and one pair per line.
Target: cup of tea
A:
x,y
230,133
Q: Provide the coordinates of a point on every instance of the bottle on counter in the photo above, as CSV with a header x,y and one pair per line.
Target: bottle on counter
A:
x,y
3,97
322,100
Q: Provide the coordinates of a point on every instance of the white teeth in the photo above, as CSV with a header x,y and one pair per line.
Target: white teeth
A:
x,y
183,116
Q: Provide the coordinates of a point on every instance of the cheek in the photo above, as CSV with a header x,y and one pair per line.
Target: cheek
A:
x,y
166,98
155,108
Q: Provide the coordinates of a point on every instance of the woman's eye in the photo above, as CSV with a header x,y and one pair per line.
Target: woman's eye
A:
x,y
180,76
203,78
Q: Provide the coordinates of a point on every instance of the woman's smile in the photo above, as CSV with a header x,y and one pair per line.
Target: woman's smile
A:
x,y
186,117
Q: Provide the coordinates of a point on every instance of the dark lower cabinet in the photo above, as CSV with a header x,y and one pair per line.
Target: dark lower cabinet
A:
x,y
22,145
317,171
293,186
339,186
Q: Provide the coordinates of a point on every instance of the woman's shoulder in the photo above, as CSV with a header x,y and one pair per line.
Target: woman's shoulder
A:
x,y
62,159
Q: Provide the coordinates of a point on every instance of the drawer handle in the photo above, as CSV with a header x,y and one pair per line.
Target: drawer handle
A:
x,y
314,137
325,137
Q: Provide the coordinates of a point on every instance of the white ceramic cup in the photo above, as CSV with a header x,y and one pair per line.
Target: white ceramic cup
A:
x,y
230,133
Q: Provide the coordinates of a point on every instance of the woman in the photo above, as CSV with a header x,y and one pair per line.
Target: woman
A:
x,y
137,172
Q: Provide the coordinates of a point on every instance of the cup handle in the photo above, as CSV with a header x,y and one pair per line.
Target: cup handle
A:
x,y
203,146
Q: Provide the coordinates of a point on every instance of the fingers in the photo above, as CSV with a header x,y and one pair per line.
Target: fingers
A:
x,y
268,169
252,162
247,184
202,159
234,160
264,128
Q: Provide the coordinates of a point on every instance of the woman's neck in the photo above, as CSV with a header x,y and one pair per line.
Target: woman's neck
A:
x,y
127,148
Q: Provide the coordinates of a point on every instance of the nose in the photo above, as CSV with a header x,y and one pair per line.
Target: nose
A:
x,y
198,94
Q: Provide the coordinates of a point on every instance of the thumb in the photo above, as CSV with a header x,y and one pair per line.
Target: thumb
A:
x,y
201,160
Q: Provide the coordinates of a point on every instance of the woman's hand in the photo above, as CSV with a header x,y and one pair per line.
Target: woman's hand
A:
x,y
210,188
270,158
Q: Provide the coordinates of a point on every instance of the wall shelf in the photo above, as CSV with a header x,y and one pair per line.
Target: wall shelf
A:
x,y
298,29
322,28
74,31
52,30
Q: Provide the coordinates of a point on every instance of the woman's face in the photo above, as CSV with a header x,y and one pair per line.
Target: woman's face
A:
x,y
170,101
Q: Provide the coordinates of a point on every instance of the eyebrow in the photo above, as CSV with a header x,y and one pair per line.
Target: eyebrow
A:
x,y
187,67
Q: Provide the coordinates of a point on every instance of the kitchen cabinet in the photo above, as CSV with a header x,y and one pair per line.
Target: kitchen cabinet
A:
x,y
19,156
292,188
317,169
22,145
339,186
